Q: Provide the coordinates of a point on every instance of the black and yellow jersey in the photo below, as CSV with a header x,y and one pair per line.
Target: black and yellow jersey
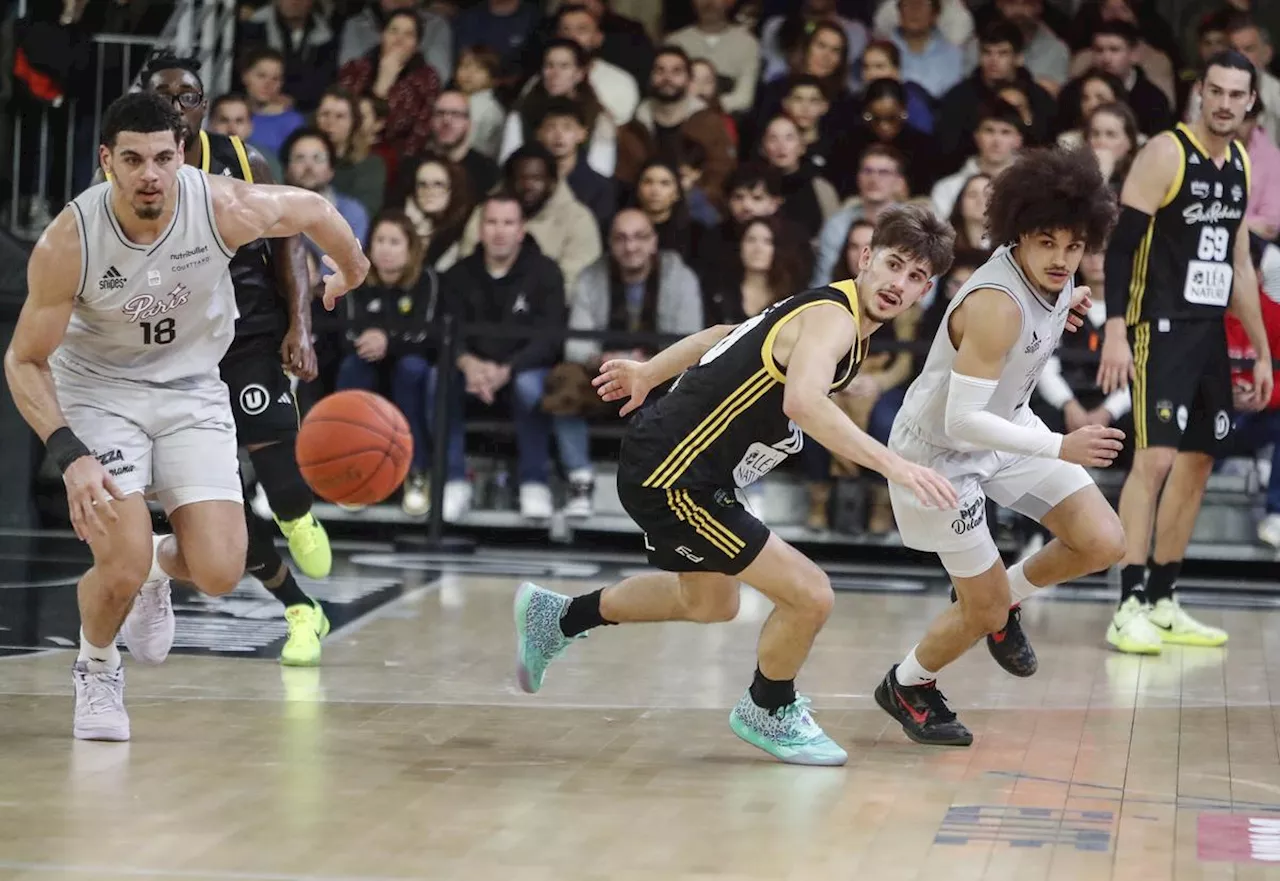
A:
x,y
1183,267
721,424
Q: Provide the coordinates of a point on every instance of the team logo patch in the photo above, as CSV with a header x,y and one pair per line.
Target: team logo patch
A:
x,y
254,399
1200,189
1221,425
1164,411
971,516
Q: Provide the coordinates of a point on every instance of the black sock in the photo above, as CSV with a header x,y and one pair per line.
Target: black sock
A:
x,y
583,614
1131,578
772,694
1161,580
287,591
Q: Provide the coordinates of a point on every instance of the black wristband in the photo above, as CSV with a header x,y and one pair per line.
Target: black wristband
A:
x,y
65,447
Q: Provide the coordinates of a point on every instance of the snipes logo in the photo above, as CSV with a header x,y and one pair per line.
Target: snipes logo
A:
x,y
111,280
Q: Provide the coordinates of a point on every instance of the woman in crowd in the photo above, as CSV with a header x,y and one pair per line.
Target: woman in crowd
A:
x,y
386,331
438,204
660,195
883,61
396,71
1113,136
969,216
358,172
274,116
807,198
884,121
1096,88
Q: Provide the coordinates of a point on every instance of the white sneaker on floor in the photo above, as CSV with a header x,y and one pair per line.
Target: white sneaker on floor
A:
x,y
148,629
416,501
1175,626
581,501
535,501
1269,530
457,500
100,713
1131,630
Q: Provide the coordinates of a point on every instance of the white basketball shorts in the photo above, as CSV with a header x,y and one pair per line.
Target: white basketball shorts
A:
x,y
176,442
1030,485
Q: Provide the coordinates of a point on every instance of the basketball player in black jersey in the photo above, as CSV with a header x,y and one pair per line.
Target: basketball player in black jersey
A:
x,y
273,334
746,397
1178,259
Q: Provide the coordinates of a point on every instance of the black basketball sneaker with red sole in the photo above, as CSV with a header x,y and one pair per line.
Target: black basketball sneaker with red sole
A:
x,y
922,711
1010,646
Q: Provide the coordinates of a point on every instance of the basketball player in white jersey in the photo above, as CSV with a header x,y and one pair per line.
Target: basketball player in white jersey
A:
x,y
114,364
967,416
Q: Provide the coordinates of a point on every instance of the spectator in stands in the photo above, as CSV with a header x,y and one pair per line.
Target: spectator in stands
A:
x,y
438,205
826,56
692,160
362,33
624,42
231,114
998,139
1115,50
634,288
969,216
1255,430
373,122
615,88
789,44
928,58
808,198
771,267
1000,60
1035,129
1113,137
507,280
477,74
663,121
1263,215
563,132
955,21
730,48
386,329
884,122
754,190
881,182
660,196
309,163
502,25
806,105
1097,87
305,43
1211,38
1156,49
1067,394
564,74
274,116
563,227
1254,42
395,71
358,172
1043,54
451,138
705,83
883,61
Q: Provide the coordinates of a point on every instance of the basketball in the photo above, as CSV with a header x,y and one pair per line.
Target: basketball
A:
x,y
354,448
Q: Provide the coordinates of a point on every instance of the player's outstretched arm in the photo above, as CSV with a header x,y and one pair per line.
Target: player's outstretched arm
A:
x,y
53,281
623,378
825,334
989,323
245,212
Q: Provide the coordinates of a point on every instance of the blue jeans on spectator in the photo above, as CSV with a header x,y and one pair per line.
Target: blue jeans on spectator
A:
x,y
1252,432
411,378
533,429
886,407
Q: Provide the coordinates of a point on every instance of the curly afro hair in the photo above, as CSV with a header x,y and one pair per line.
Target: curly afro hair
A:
x,y
1048,190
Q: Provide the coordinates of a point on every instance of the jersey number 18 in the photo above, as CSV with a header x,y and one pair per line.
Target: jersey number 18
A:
x,y
160,333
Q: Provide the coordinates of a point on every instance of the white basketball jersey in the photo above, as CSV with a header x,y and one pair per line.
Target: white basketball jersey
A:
x,y
924,410
150,313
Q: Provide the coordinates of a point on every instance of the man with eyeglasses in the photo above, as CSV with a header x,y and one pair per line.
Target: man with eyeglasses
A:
x,y
272,336
451,138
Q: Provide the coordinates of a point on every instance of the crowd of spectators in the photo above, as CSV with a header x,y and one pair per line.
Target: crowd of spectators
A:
x,y
658,169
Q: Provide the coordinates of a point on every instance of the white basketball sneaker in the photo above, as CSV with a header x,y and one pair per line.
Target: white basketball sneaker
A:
x,y
148,629
100,713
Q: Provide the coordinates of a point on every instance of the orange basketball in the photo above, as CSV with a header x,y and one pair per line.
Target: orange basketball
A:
x,y
354,448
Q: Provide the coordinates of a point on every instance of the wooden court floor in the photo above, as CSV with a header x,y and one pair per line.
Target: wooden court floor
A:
x,y
411,754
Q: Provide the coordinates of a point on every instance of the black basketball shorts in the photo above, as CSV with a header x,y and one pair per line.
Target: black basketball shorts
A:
x,y
262,400
1182,385
694,530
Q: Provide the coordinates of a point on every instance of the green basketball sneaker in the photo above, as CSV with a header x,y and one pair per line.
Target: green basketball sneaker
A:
x,y
539,640
790,735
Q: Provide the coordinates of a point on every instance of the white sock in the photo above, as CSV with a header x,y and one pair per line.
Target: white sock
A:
x,y
156,573
100,660
910,672
1019,587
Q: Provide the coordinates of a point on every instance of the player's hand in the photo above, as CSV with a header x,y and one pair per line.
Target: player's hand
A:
x,y
620,379
1081,303
1263,383
1116,368
931,488
90,491
336,282
1074,415
298,355
1093,446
